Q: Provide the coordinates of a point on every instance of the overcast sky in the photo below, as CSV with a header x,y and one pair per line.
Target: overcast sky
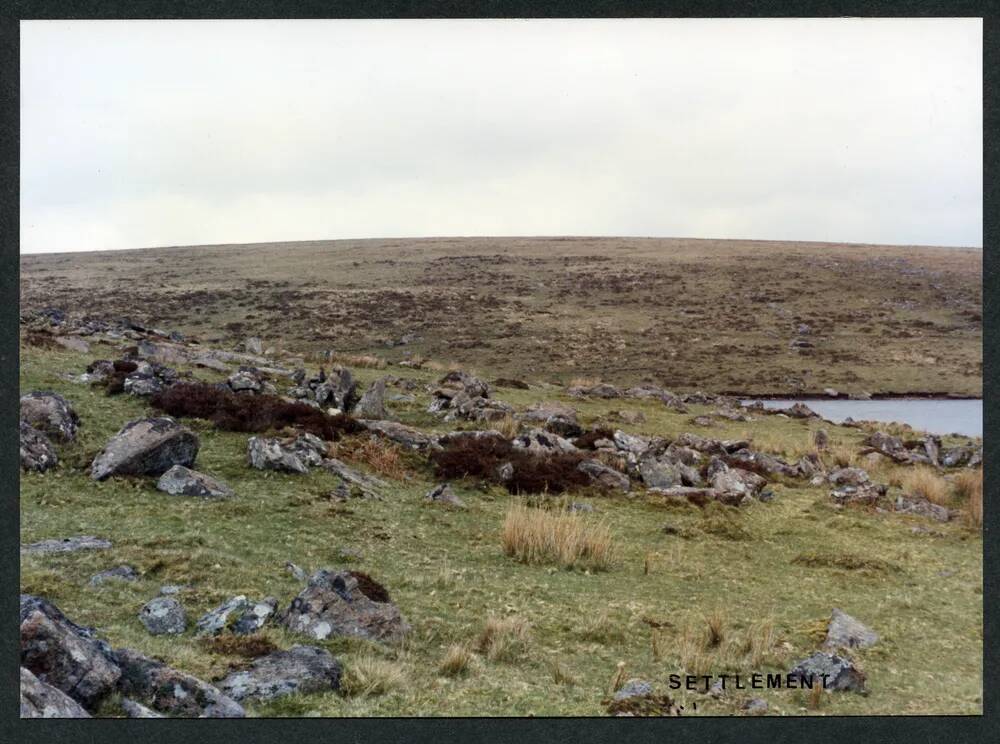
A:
x,y
152,133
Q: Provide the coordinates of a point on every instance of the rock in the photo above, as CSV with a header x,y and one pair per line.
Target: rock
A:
x,y
580,507
761,461
867,494
800,410
821,439
67,545
634,688
39,700
932,449
604,476
169,589
296,571
711,446
888,445
754,707
660,473
237,615
182,481
246,380
333,605
36,451
133,709
954,456
736,481
544,443
65,655
291,456
142,385
846,632
809,465
73,343
702,421
372,403
163,616
600,390
632,417
339,390
118,573
399,433
831,393
51,414
443,494
922,507
172,692
632,443
253,345
505,471
370,486
840,673
299,670
146,447
469,384
848,477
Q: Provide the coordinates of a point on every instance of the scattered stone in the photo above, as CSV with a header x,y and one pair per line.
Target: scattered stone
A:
x,y
170,691
146,447
889,446
163,616
247,380
736,481
118,573
333,605
133,709
372,403
36,451
841,674
443,494
848,477
237,615
63,654
169,589
867,494
142,385
369,486
846,632
399,433
754,707
51,414
73,343
922,507
182,481
604,476
67,545
799,410
634,688
291,456
338,390
297,571
299,670
40,700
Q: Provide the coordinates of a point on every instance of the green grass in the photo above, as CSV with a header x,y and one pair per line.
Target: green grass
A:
x,y
447,572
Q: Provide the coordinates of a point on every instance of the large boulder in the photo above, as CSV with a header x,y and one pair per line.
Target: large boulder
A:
x,y
830,671
543,443
299,670
39,700
237,615
65,655
845,631
372,403
334,605
50,414
146,447
661,472
37,452
603,476
737,481
163,616
338,390
170,691
399,433
182,481
290,455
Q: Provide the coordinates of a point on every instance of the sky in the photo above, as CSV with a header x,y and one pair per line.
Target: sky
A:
x,y
152,133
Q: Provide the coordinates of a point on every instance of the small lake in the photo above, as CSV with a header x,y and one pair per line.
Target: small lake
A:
x,y
937,416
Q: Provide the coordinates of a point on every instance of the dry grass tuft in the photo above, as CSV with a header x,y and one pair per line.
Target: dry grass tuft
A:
x,y
369,676
457,660
584,382
383,457
618,678
560,675
925,482
503,638
603,629
249,646
840,456
969,488
715,627
508,426
563,538
368,361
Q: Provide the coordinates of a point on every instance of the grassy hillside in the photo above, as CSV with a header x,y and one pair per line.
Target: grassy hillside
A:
x,y
920,589
719,316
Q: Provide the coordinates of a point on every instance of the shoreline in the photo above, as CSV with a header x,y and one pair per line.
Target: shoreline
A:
x,y
799,397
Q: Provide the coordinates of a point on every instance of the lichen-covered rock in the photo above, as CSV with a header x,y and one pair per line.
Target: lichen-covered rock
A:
x,y
922,507
132,709
36,451
333,605
660,472
290,456
888,445
442,494
368,485
182,481
146,447
541,442
603,476
39,700
848,477
634,688
67,545
163,616
399,433
170,691
845,631
51,414
65,655
337,390
372,403
118,573
143,385
299,670
237,615
829,670
737,481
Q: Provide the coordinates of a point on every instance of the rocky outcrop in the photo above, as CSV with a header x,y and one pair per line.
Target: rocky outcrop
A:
x,y
848,477
603,476
460,395
542,443
337,390
922,507
830,671
163,616
888,445
170,691
294,455
146,447
407,436
558,419
237,615
39,700
299,670
333,605
51,414
182,481
369,486
372,403
36,451
846,632
63,654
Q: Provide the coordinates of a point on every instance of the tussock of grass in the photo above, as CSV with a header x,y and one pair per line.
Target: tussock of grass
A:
x,y
456,661
508,426
563,538
250,646
969,489
369,675
603,629
925,482
560,675
367,361
503,638
383,457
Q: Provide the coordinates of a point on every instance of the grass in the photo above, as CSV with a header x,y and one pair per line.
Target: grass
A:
x,y
566,539
926,483
448,573
968,487
503,638
456,661
370,675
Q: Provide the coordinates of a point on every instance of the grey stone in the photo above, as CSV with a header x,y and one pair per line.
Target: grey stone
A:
x,y
754,707
299,670
237,615
821,439
172,692
146,447
849,477
40,700
295,456
118,573
846,632
51,414
182,481
604,476
841,674
737,481
442,494
399,433
67,545
372,403
338,390
142,385
634,688
36,451
923,508
133,709
370,486
163,616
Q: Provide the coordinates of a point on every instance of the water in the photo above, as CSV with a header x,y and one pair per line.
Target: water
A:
x,y
934,416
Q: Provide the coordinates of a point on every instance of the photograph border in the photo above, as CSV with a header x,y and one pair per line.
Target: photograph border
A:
x,y
385,730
